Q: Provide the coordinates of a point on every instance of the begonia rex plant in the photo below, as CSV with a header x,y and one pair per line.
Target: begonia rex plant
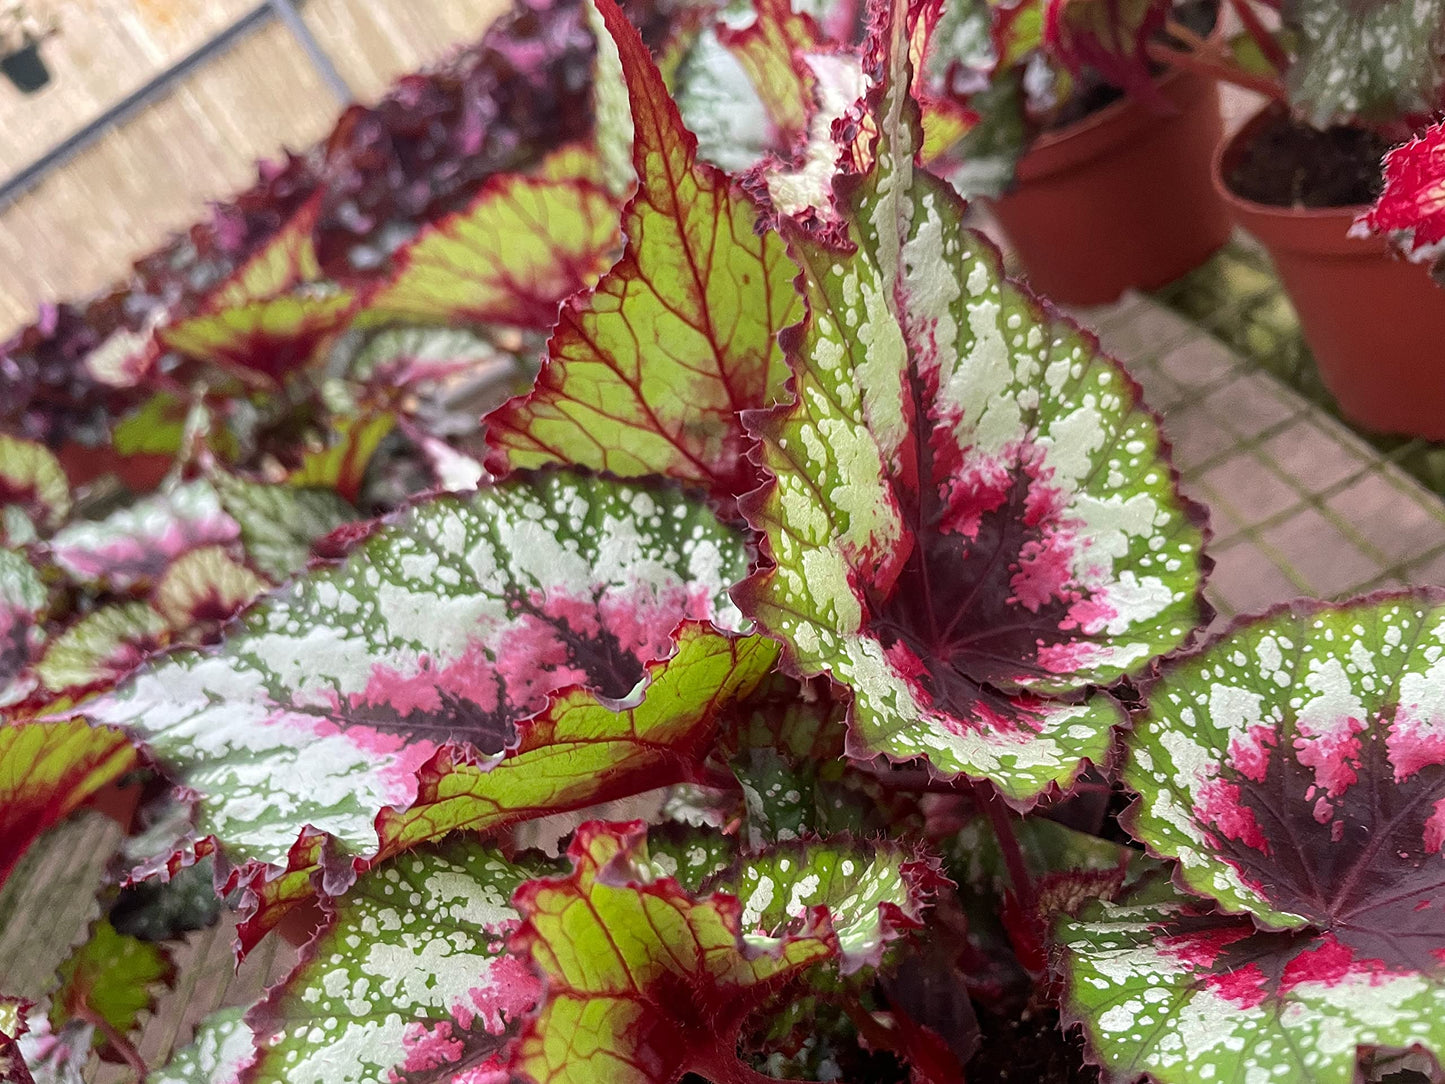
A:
x,y
841,559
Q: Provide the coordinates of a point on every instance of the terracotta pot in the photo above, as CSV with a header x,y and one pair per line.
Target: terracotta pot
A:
x,y
1120,199
1374,322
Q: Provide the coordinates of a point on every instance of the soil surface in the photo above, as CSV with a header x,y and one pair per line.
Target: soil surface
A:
x,y
1028,1048
1289,165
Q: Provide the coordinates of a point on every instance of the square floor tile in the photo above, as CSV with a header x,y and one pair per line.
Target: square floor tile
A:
x,y
1327,561
1160,394
1246,487
1429,572
1253,403
1312,458
1195,436
1401,524
1246,579
1145,331
1224,523
1200,363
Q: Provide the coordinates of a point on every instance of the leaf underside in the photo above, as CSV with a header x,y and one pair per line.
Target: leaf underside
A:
x,y
647,373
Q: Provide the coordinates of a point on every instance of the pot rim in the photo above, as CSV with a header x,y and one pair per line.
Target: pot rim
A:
x,y
1235,144
1059,149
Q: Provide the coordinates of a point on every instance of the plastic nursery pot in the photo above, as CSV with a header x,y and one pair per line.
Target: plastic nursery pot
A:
x,y
1374,322
25,68
1121,198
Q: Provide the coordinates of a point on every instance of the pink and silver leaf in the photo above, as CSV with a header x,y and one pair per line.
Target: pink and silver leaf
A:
x,y
1173,989
411,981
449,625
1295,768
973,518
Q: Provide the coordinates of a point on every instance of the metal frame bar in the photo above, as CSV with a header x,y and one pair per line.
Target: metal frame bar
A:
x,y
285,10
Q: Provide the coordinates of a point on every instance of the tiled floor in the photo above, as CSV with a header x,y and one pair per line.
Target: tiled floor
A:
x,y
1299,504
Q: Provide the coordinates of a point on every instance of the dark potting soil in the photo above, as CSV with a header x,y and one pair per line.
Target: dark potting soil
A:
x,y
1289,165
1028,1048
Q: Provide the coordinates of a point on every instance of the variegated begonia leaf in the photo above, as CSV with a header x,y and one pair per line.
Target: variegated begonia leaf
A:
x,y
720,105
612,113
1374,61
23,601
578,753
1295,767
972,518
340,467
32,482
410,981
289,259
1170,988
136,544
525,244
690,856
646,981
100,648
1067,868
221,1048
273,526
204,587
771,49
1412,205
264,341
110,981
646,374
788,755
47,770
873,892
277,524
404,357
156,427
430,646
583,750
13,1024
51,1057
806,185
